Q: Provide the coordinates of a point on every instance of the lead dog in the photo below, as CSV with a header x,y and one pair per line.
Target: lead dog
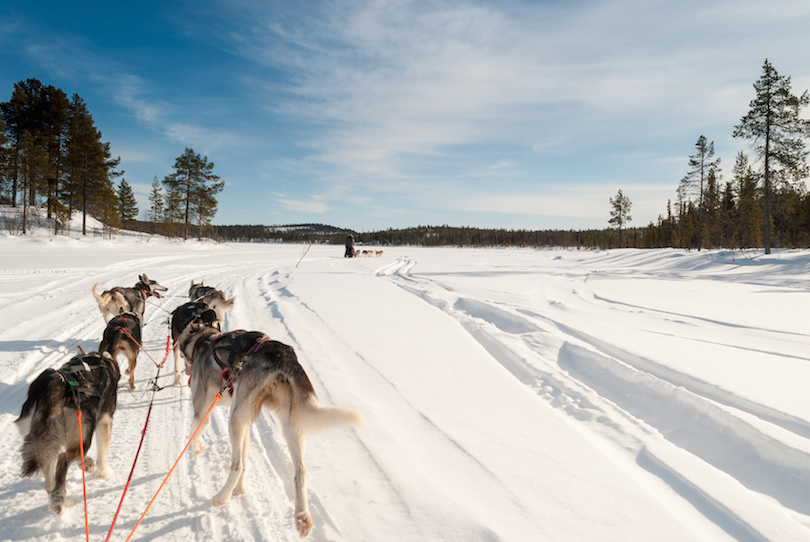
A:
x,y
263,373
122,337
119,300
215,299
49,426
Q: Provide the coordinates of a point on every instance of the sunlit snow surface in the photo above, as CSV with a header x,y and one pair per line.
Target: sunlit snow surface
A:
x,y
509,394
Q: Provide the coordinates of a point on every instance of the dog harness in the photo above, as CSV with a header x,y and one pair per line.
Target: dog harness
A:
x,y
239,343
79,377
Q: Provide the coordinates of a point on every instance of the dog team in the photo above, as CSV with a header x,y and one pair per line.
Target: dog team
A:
x,y
256,372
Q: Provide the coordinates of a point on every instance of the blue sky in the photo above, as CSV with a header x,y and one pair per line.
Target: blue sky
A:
x,y
376,114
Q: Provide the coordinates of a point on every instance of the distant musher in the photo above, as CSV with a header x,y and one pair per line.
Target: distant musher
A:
x,y
350,253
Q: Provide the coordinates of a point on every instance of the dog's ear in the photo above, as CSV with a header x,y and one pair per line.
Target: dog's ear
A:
x,y
79,351
143,278
106,355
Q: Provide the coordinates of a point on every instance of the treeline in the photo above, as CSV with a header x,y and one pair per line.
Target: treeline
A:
x,y
52,156
419,236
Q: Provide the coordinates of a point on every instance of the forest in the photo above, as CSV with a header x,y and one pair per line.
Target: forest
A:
x,y
52,157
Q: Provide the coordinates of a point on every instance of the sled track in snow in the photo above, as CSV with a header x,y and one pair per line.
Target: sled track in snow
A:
x,y
597,381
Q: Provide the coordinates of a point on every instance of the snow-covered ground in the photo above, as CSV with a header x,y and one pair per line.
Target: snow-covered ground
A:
x,y
510,395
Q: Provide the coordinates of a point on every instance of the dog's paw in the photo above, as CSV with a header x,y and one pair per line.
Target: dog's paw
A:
x,y
220,499
198,448
89,464
239,489
178,380
105,472
59,502
303,522
57,507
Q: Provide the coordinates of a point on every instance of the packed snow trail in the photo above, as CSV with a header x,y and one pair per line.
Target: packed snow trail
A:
x,y
509,394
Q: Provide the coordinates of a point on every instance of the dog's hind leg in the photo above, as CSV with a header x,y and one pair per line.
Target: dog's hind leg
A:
x,y
104,430
239,428
240,483
58,499
296,442
177,378
132,361
201,400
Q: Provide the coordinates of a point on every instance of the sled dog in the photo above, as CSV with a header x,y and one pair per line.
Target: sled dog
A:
x,y
122,336
212,297
49,425
182,316
119,300
262,373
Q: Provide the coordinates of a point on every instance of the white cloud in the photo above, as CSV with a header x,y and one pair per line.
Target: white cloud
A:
x,y
315,207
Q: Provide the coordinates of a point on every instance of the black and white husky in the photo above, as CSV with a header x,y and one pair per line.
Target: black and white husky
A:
x,y
119,300
215,299
49,424
262,373
182,316
122,337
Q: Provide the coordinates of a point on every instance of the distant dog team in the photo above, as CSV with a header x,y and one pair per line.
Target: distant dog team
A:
x,y
256,371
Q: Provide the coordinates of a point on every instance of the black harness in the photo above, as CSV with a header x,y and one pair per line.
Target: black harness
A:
x,y
235,344
85,376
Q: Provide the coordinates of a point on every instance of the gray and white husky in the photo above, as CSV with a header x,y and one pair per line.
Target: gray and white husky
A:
x,y
215,299
49,425
263,373
119,300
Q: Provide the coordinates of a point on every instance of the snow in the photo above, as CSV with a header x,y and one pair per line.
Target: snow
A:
x,y
509,394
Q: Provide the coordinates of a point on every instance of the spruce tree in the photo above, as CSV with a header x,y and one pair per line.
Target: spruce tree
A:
x,y
156,205
127,204
695,180
774,125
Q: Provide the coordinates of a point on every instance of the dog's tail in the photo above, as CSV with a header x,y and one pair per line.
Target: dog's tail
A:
x,y
312,416
99,299
41,422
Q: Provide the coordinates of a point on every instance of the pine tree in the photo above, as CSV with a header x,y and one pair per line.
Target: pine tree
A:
x,y
36,115
620,212
127,204
90,167
191,190
775,126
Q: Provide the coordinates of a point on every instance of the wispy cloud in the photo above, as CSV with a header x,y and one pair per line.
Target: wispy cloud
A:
x,y
314,207
383,80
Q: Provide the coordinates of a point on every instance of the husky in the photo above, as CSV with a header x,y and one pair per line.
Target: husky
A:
x,y
119,300
260,373
212,297
182,316
49,426
122,336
